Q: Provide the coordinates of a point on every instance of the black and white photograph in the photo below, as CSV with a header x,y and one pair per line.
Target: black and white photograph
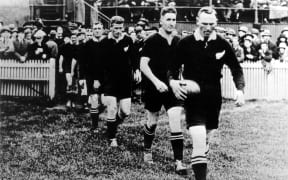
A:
x,y
144,89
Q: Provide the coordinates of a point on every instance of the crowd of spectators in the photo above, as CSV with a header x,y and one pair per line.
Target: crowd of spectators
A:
x,y
228,10
256,45
32,42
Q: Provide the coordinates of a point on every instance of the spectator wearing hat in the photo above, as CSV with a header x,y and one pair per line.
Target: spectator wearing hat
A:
x,y
283,52
233,40
266,37
265,56
281,38
21,46
39,50
52,45
14,33
250,52
230,35
256,39
285,32
6,44
28,35
220,31
242,31
238,50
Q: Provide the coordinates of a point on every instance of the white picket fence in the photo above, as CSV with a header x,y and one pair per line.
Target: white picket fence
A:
x,y
32,78
259,84
37,78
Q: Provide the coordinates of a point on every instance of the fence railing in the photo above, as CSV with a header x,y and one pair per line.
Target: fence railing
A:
x,y
259,84
37,78
32,78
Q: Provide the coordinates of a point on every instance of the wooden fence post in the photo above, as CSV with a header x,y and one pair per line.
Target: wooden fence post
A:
x,y
52,78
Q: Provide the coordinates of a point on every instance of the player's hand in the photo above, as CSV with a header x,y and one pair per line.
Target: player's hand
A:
x,y
249,56
69,79
161,86
81,82
239,98
177,89
22,59
96,84
137,76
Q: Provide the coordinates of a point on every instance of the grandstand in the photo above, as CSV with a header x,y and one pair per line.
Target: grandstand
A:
x,y
86,11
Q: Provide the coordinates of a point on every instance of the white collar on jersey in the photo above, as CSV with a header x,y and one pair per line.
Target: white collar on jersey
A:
x,y
110,36
199,37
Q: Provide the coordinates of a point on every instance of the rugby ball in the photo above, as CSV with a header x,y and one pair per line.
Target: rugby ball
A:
x,y
191,87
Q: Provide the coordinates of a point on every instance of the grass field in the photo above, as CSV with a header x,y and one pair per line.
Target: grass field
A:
x,y
36,143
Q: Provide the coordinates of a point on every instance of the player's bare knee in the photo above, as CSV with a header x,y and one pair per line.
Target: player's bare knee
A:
x,y
198,134
94,101
175,116
152,118
124,112
111,111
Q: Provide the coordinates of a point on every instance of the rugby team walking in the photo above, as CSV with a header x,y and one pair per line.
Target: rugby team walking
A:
x,y
183,75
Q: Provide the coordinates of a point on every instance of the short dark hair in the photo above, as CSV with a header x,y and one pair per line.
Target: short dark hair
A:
x,y
98,22
168,9
207,10
116,20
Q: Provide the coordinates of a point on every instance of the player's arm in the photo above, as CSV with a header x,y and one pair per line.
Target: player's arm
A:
x,y
135,61
237,73
174,72
73,66
61,59
146,70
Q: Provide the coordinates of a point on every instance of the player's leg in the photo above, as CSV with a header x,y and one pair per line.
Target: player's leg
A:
x,y
153,103
111,103
68,89
149,134
175,115
196,120
94,110
124,109
199,159
94,101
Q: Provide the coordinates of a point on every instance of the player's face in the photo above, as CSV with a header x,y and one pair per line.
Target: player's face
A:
x,y
74,39
20,36
117,30
97,30
206,23
168,22
89,36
